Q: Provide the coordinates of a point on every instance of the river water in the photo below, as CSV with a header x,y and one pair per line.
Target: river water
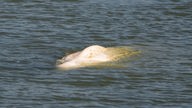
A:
x,y
35,33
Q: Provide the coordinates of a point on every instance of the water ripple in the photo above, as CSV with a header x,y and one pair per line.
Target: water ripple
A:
x,y
34,34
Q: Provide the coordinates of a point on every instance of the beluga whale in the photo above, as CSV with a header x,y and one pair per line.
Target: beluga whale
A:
x,y
95,55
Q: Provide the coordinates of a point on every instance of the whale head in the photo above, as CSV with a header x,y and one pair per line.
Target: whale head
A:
x,y
89,56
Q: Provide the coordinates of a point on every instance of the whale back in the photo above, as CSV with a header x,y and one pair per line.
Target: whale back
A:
x,y
96,55
94,52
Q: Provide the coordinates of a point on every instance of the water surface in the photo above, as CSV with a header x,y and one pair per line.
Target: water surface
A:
x,y
35,33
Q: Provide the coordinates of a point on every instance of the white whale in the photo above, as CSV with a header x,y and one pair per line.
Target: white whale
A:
x,y
94,55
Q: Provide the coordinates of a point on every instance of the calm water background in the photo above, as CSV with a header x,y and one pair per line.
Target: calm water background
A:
x,y
35,33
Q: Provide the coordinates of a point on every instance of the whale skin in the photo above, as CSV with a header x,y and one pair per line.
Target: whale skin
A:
x,y
94,55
